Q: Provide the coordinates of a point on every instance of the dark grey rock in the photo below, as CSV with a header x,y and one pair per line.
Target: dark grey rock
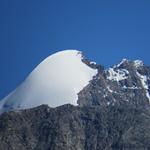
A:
x,y
74,128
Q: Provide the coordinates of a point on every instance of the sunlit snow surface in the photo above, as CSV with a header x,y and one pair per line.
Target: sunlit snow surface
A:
x,y
55,81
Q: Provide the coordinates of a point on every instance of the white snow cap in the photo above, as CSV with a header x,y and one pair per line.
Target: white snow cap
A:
x,y
55,81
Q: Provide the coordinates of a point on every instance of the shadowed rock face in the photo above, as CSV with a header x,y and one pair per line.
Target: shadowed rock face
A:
x,y
113,114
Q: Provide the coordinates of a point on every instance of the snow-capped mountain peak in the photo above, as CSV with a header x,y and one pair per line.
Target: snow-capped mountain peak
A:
x,y
68,77
55,81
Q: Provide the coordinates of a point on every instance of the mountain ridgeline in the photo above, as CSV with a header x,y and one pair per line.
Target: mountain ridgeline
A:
x,y
111,112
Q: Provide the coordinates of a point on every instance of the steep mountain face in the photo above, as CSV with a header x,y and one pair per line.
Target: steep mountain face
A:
x,y
127,82
113,113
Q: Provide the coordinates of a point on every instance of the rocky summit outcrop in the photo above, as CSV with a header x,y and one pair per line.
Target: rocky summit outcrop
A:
x,y
113,114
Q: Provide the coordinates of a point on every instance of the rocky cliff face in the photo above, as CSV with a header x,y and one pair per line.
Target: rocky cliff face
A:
x,y
76,128
127,82
113,114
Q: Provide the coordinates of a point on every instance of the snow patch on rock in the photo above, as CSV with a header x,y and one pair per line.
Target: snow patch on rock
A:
x,y
110,90
138,63
93,63
131,88
123,61
144,81
117,74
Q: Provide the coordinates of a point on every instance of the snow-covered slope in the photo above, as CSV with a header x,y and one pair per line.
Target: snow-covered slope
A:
x,y
55,81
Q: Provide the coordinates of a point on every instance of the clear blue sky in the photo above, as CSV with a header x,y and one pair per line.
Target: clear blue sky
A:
x,y
105,30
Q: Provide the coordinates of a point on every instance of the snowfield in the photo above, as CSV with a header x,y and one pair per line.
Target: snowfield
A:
x,y
55,81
